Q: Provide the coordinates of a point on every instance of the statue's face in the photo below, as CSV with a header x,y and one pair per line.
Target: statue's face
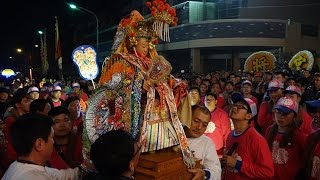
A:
x,y
142,47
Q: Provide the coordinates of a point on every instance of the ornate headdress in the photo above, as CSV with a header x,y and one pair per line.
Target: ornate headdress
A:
x,y
135,26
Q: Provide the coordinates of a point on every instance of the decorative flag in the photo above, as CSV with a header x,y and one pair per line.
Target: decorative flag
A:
x,y
44,57
58,55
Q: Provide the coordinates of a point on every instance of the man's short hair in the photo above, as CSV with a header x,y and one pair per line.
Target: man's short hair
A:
x,y
27,129
112,152
303,81
70,100
38,105
201,108
195,88
55,111
212,94
283,74
17,97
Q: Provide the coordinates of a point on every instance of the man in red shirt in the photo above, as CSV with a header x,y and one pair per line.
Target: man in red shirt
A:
x,y
248,155
21,104
218,128
67,146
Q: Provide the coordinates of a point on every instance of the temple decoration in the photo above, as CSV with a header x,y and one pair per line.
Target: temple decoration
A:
x,y
302,60
85,58
260,62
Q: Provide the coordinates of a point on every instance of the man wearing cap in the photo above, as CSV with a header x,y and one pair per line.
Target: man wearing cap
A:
x,y
246,90
303,120
286,141
265,116
248,155
33,93
80,94
55,97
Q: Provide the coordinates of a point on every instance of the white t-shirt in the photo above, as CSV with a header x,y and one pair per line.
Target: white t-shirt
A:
x,y
24,171
205,150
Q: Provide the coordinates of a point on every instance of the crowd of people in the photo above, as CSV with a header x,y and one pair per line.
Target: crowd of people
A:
x,y
261,125
238,125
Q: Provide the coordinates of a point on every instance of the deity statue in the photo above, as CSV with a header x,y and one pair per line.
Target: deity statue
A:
x,y
137,92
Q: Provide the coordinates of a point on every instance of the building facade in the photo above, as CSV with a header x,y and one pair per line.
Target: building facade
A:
x,y
220,34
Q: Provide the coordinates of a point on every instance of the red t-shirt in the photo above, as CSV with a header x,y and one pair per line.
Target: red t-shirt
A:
x,y
77,126
60,154
56,161
289,159
218,129
315,171
306,125
265,117
220,101
254,153
10,154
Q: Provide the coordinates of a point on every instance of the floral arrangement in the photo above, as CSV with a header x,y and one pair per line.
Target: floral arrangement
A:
x,y
162,11
164,15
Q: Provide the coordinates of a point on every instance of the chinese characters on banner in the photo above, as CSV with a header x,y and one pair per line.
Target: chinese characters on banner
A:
x,y
259,62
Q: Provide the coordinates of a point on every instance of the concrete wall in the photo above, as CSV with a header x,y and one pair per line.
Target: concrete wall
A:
x,y
296,42
305,11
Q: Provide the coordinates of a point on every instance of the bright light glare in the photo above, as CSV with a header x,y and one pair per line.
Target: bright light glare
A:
x,y
72,6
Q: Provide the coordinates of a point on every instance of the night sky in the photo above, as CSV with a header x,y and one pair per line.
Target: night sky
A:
x,y
22,19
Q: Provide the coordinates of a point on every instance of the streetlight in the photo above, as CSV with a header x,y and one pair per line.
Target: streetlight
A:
x,y
19,50
40,32
73,6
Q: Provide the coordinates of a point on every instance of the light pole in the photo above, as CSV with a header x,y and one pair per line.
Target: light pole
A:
x,y
73,6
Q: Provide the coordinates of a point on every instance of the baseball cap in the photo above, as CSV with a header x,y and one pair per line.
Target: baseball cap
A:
x,y
237,97
274,85
287,105
246,82
33,89
56,88
293,89
313,104
75,85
